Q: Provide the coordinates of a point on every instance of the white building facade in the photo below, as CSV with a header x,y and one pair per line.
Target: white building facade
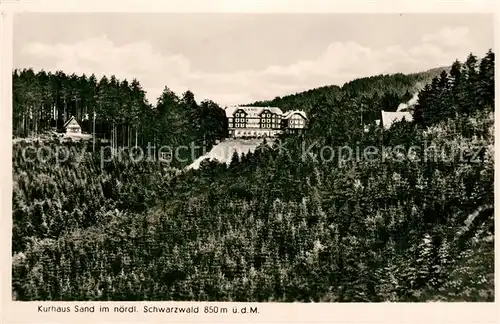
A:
x,y
258,122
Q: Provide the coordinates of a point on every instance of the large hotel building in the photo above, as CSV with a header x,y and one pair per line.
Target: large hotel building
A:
x,y
263,121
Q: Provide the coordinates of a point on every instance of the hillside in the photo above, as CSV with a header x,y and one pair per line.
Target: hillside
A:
x,y
336,215
224,151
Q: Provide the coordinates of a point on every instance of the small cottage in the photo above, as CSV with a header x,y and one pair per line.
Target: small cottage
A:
x,y
72,127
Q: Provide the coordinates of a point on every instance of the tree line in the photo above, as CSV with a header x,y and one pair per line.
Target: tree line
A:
x,y
112,109
467,88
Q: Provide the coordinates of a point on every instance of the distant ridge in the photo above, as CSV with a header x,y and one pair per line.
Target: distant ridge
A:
x,y
410,82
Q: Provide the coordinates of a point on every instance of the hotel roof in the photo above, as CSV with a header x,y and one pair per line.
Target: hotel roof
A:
x,y
288,114
251,111
256,111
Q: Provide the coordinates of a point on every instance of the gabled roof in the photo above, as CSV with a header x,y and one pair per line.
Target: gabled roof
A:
x,y
288,114
69,121
251,111
390,117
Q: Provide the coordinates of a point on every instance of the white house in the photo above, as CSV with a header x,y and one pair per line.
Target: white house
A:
x,y
72,127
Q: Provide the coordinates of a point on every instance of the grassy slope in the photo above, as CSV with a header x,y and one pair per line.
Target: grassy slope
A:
x,y
223,152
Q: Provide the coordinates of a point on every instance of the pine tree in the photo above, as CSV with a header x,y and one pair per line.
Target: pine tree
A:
x,y
486,91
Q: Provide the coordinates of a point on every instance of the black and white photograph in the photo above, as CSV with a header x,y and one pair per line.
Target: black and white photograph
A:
x,y
253,157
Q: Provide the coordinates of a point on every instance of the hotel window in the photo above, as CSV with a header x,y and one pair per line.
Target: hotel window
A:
x,y
269,120
238,125
237,114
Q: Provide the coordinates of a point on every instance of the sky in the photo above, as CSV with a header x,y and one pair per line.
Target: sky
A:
x,y
241,58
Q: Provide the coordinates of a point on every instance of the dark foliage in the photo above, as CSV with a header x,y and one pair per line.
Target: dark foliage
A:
x,y
278,225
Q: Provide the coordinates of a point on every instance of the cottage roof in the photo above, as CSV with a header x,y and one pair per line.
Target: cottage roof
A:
x,y
251,111
390,117
72,118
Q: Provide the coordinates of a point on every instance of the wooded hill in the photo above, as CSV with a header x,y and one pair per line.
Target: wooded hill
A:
x,y
375,93
275,225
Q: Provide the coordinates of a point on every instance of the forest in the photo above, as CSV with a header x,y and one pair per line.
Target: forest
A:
x,y
115,111
274,225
